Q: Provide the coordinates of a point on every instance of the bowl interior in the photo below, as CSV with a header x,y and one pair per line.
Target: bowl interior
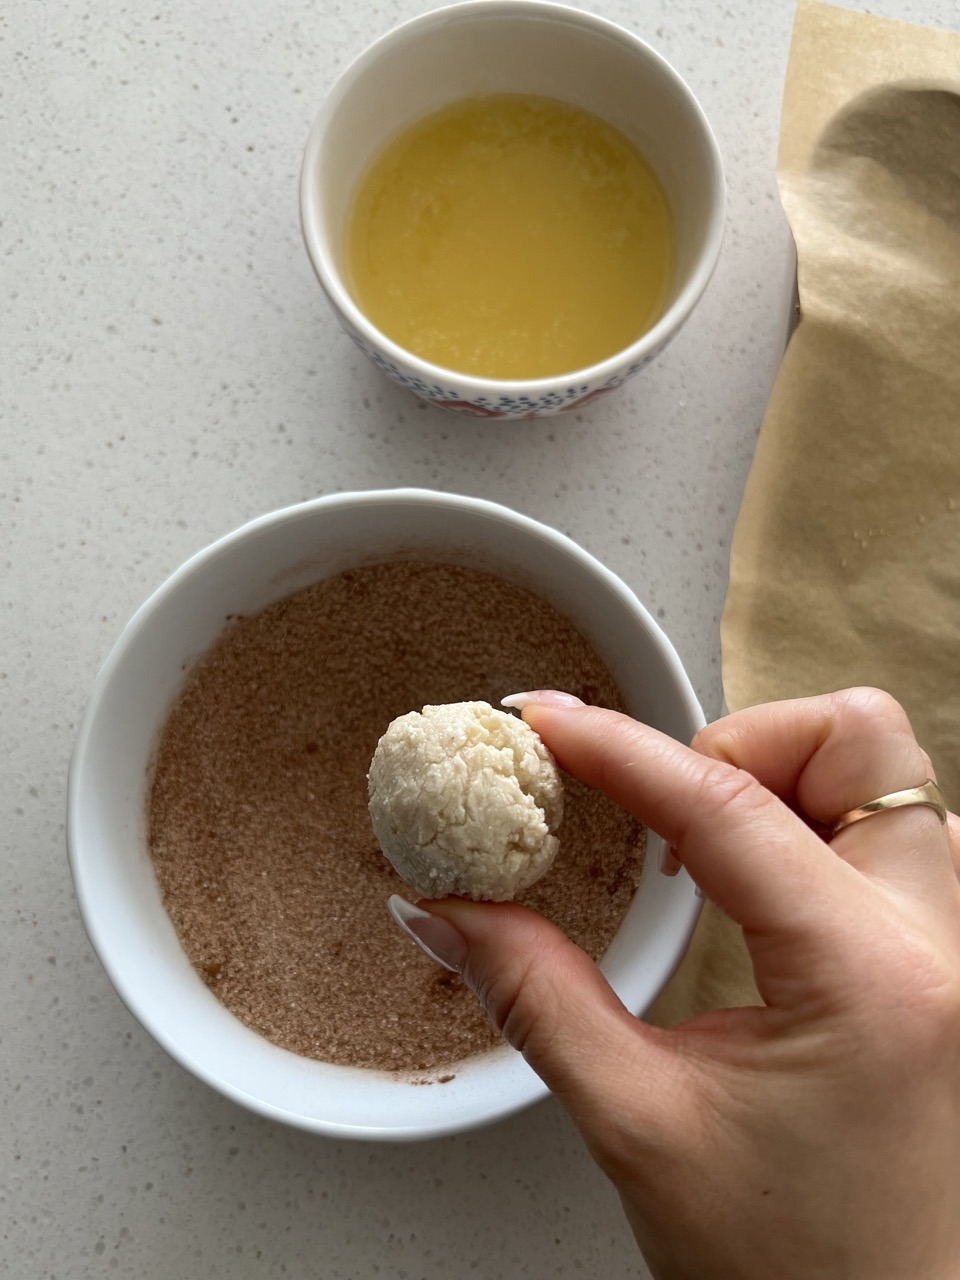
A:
x,y
498,47
116,886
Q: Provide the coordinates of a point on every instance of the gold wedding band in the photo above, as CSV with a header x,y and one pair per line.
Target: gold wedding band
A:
x,y
929,794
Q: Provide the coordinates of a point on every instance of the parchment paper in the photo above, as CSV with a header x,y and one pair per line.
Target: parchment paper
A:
x,y
846,557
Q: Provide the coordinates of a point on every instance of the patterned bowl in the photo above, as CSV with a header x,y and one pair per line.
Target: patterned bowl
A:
x,y
512,46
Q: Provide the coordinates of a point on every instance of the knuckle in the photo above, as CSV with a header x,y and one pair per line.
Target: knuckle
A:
x,y
869,706
722,794
510,1004
726,789
868,713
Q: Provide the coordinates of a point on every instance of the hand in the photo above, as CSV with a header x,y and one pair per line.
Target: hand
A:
x,y
819,1135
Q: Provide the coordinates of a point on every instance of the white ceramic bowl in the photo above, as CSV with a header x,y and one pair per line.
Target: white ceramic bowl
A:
x,y
512,46
118,894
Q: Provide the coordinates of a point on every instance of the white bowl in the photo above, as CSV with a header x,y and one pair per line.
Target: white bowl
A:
x,y
512,46
106,821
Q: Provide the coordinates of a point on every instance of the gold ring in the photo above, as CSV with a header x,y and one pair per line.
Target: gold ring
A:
x,y
928,794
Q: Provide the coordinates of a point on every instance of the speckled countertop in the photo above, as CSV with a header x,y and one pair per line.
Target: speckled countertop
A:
x,y
168,369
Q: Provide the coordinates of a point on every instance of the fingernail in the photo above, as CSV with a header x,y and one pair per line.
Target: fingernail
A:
x,y
670,864
543,698
699,892
440,940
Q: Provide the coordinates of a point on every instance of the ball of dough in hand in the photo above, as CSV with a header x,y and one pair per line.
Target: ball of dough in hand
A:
x,y
465,800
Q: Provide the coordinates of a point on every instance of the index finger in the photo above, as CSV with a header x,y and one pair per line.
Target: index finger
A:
x,y
749,853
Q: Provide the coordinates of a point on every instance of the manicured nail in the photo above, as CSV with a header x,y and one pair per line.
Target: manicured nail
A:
x,y
670,864
440,940
543,698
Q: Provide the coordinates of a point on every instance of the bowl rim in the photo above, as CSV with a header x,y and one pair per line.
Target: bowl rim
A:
x,y
649,343
533,1089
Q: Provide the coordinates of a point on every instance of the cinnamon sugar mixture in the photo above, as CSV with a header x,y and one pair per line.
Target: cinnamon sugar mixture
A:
x,y
258,819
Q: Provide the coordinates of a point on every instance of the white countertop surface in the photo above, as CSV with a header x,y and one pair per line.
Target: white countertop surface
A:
x,y
169,369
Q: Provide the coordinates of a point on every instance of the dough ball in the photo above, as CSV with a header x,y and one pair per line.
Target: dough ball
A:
x,y
465,800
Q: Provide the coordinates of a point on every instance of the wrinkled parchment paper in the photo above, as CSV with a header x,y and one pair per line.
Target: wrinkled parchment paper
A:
x,y
846,557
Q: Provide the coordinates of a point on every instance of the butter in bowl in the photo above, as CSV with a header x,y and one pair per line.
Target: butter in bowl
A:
x,y
511,207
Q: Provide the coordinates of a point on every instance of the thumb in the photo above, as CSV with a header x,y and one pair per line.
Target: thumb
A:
x,y
549,1000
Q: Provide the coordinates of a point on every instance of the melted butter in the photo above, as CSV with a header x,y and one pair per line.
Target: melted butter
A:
x,y
511,237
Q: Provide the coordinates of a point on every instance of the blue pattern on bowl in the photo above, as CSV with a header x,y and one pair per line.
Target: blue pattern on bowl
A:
x,y
459,401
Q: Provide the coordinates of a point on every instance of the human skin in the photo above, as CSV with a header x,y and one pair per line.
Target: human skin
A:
x,y
818,1135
